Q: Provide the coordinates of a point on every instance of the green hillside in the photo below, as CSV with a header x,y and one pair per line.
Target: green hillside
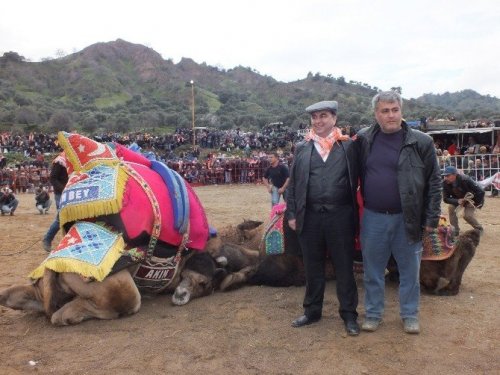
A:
x,y
120,86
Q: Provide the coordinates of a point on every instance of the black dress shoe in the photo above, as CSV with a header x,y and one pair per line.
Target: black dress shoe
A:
x,y
351,327
303,321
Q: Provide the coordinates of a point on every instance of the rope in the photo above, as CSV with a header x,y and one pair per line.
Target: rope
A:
x,y
468,199
178,257
21,251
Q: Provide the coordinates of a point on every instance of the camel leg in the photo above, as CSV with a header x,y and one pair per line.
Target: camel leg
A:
x,y
236,279
80,309
116,296
21,297
456,280
449,270
430,272
441,284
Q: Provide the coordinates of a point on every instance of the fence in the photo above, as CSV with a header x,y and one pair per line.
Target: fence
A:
x,y
24,179
230,171
476,166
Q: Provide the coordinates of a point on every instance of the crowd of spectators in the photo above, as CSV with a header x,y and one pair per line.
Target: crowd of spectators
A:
x,y
218,157
479,161
227,141
231,156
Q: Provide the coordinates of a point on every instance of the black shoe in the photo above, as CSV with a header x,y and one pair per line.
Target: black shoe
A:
x,y
303,321
351,327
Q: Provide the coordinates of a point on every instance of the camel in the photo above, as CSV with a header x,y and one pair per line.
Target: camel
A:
x,y
131,226
441,277
248,263
67,298
444,277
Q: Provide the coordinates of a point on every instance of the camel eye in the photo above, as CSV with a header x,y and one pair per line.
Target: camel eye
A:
x,y
206,283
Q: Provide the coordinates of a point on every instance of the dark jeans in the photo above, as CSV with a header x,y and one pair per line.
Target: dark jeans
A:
x,y
329,234
54,227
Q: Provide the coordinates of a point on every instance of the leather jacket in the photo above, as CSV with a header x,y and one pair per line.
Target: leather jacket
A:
x,y
419,177
462,185
299,180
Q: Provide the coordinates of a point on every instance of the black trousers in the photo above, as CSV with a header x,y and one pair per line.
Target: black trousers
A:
x,y
332,234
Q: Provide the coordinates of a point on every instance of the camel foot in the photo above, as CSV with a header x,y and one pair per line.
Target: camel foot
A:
x,y
441,284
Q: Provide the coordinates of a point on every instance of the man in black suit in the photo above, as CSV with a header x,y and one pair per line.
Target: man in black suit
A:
x,y
322,209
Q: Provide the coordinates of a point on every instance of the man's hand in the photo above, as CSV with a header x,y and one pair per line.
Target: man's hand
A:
x,y
292,223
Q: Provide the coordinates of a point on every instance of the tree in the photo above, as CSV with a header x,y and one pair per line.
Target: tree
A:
x,y
22,101
61,120
354,118
60,53
12,56
26,116
89,124
122,125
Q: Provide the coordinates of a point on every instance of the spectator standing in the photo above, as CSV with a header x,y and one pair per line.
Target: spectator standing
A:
x,y
401,188
58,179
22,180
276,179
321,208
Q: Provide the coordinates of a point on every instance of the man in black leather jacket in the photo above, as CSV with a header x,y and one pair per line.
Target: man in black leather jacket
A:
x,y
401,187
321,207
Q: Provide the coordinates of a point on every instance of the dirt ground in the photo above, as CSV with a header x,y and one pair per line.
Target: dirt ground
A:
x,y
248,331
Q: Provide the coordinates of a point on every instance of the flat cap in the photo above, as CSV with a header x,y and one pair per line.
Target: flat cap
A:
x,y
325,105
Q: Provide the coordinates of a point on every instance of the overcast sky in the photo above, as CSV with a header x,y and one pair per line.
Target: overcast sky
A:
x,y
425,46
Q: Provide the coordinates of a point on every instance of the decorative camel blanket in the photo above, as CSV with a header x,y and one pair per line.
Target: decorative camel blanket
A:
x,y
440,243
148,197
88,249
96,192
274,238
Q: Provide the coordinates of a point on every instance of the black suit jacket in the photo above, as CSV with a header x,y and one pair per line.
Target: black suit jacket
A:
x,y
299,179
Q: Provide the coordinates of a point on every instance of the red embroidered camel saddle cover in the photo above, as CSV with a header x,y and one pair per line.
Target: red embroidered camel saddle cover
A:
x,y
109,179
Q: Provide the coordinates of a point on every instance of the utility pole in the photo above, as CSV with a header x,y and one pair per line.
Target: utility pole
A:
x,y
192,98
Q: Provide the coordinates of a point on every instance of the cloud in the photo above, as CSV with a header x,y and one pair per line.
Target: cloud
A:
x,y
426,46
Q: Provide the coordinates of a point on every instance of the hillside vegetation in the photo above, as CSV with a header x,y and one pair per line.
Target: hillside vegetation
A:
x,y
120,86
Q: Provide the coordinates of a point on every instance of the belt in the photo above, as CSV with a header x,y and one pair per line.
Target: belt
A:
x,y
322,208
386,212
